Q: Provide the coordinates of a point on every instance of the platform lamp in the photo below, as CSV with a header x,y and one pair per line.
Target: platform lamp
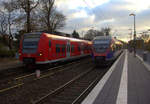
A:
x,y
134,34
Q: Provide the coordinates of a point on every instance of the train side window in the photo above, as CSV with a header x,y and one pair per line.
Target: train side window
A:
x,y
69,48
50,43
72,48
79,48
57,48
63,48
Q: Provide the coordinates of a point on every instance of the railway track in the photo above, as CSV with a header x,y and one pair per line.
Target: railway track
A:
x,y
73,91
29,78
28,92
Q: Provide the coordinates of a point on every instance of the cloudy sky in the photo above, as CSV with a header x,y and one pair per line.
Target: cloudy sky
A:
x,y
86,14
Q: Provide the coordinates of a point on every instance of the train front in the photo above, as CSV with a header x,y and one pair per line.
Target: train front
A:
x,y
28,48
101,50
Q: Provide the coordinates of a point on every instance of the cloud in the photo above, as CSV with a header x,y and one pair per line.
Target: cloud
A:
x,y
85,14
138,5
73,4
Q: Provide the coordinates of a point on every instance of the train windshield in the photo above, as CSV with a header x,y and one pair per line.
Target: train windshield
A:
x,y
30,43
101,45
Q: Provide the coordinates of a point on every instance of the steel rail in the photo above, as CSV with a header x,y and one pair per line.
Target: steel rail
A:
x,y
86,90
59,89
43,76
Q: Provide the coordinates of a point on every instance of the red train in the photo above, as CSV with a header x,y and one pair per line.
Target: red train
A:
x,y
43,48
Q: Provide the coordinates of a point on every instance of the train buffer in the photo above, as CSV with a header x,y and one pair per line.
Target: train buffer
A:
x,y
126,82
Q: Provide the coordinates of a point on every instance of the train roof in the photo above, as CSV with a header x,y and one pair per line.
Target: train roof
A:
x,y
103,37
64,38
59,37
107,38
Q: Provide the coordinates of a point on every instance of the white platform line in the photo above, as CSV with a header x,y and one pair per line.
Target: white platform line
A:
x,y
98,88
145,64
122,94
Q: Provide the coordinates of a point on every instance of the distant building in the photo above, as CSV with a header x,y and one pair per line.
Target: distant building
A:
x,y
139,43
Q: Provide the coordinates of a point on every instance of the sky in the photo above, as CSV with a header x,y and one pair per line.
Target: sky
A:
x,y
83,15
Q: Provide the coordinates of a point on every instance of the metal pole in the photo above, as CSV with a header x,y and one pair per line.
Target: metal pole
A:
x,y
130,34
134,37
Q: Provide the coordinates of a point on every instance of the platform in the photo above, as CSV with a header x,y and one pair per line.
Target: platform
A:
x,y
126,82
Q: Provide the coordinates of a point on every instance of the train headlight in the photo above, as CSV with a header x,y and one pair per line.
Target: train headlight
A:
x,y
40,54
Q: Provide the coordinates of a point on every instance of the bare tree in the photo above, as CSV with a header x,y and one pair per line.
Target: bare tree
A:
x,y
144,36
47,6
57,21
50,17
8,11
3,23
93,33
75,34
28,6
106,31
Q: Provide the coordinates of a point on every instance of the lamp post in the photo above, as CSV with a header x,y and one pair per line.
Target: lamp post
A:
x,y
134,33
130,34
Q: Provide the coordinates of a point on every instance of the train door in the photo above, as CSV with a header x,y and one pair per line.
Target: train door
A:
x,y
50,50
82,48
68,49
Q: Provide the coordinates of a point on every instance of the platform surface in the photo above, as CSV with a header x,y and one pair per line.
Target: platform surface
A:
x,y
127,82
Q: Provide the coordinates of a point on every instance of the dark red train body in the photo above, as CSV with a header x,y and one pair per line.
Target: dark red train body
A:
x,y
43,48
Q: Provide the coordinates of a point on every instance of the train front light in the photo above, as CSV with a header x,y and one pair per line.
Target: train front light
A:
x,y
40,54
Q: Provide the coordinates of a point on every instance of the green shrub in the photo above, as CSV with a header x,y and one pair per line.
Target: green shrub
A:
x,y
7,53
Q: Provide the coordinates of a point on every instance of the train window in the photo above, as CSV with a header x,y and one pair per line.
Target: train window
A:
x,y
85,48
72,48
57,48
68,48
50,43
63,48
79,48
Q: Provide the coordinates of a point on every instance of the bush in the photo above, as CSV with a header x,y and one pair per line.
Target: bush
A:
x,y
5,53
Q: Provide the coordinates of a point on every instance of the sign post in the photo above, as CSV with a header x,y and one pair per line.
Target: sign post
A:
x,y
37,73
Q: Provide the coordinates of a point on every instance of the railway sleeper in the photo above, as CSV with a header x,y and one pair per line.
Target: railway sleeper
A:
x,y
69,94
65,97
56,101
